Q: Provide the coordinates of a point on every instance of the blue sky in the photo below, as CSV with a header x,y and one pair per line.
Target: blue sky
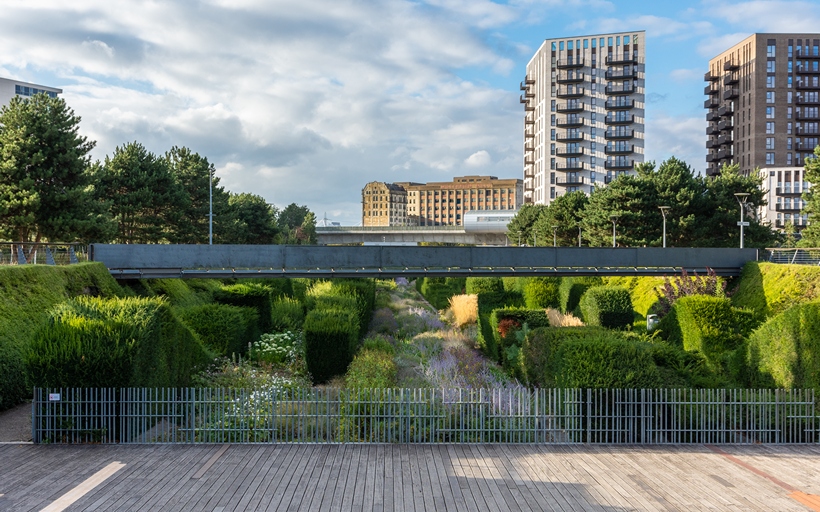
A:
x,y
306,101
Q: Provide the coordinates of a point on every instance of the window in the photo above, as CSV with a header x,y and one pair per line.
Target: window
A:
x,y
586,43
788,112
789,143
789,97
769,158
601,42
770,143
769,112
569,45
593,42
769,96
626,40
788,159
770,128
769,66
609,41
560,46
617,40
770,49
770,82
789,128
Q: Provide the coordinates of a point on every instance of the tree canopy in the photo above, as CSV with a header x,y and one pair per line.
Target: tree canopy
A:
x,y
811,234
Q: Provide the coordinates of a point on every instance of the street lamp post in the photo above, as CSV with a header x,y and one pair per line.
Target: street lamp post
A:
x,y
534,237
614,219
664,209
210,206
555,236
579,234
742,197
519,239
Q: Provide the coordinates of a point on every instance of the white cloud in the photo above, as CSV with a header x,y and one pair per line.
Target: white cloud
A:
x,y
478,159
769,15
678,136
686,74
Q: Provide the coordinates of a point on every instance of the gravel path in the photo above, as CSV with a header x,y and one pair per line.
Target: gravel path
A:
x,y
15,424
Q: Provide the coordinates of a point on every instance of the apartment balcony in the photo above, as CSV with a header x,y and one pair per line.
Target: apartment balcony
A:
x,y
711,157
712,116
804,146
725,138
806,70
570,122
787,192
711,103
569,136
621,165
612,90
528,121
725,124
622,149
619,134
619,104
712,130
800,100
566,151
804,85
804,116
570,166
799,223
526,103
529,149
730,66
612,74
529,161
787,209
730,79
807,131
576,92
570,107
566,78
709,77
529,135
526,84
712,143
570,63
570,181
730,93
617,60
723,154
610,119
725,110
710,91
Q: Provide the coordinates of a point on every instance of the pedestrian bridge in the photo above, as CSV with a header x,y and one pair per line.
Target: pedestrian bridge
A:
x,y
131,261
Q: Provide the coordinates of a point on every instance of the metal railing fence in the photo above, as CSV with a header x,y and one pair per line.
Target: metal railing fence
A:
x,y
22,253
806,256
517,415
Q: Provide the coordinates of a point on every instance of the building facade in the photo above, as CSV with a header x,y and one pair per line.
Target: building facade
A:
x,y
437,203
10,88
584,101
762,113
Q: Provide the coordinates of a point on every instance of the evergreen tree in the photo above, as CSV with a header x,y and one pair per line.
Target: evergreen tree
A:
x,y
249,219
811,234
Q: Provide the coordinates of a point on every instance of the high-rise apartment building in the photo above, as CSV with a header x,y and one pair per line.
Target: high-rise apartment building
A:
x,y
10,88
437,203
584,106
762,113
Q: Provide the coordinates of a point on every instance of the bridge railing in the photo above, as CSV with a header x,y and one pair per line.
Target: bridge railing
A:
x,y
22,253
795,256
368,229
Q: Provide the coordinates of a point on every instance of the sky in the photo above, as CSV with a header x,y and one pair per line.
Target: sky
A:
x,y
306,101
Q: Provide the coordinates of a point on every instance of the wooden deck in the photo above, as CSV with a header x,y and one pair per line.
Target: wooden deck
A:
x,y
408,477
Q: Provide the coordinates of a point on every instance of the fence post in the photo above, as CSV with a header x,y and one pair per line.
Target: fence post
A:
x,y
589,415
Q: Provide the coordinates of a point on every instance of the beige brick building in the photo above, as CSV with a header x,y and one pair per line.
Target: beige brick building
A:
x,y
762,113
384,204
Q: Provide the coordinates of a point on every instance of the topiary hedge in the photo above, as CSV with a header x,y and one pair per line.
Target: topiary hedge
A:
x,y
784,352
607,306
131,342
331,339
224,329
605,362
287,314
572,289
438,290
249,295
538,351
711,326
541,292
771,288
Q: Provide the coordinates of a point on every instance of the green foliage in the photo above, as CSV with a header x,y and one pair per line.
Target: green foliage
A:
x,y
572,289
606,363
711,326
641,290
131,342
565,214
46,192
607,306
373,366
224,329
287,314
249,295
519,229
438,290
811,235
277,348
248,219
769,288
182,293
533,318
784,352
331,338
539,350
541,292
490,291
27,294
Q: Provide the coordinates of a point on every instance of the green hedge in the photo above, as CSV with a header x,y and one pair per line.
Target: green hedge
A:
x,y
490,291
224,329
605,363
27,294
541,292
539,350
373,366
784,352
94,342
534,318
331,339
711,326
770,288
607,306
438,290
249,295
182,293
287,314
572,289
642,290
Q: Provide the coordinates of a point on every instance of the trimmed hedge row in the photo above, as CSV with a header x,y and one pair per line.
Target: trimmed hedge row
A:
x,y
27,294
541,292
249,295
373,366
607,306
94,342
438,290
572,289
771,288
711,326
224,329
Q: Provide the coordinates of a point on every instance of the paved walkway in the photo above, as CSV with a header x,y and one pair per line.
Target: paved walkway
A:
x,y
401,477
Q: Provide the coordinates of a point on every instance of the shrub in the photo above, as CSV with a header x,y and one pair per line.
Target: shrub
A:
x,y
183,293
287,314
331,339
224,329
438,290
572,289
685,285
279,287
490,292
383,322
642,290
249,295
465,309
277,348
711,326
378,343
785,351
133,342
607,363
539,349
771,288
371,368
607,306
534,318
541,292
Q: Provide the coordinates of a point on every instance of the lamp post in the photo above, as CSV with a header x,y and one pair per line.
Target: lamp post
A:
x,y
555,236
664,209
742,197
534,237
614,219
519,238
210,206
579,234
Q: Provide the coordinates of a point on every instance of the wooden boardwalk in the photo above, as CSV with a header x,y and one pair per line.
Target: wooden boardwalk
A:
x,y
222,478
